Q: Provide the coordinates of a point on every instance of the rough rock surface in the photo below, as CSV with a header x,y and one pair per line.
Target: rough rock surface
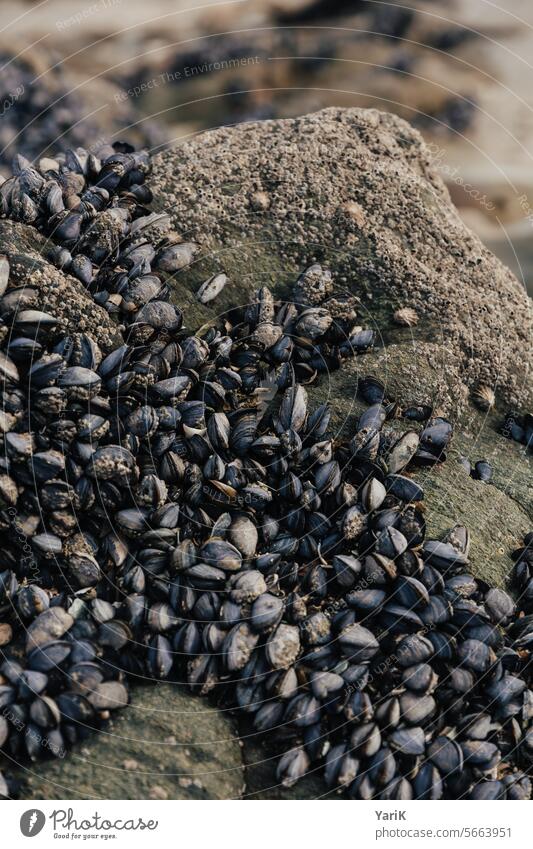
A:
x,y
355,188
59,293
165,745
387,255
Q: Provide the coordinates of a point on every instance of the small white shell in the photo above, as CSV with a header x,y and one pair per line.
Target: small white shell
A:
x,y
4,274
211,288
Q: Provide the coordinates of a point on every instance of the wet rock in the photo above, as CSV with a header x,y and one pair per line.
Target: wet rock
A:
x,y
182,748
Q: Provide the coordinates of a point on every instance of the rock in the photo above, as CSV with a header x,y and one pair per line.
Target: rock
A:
x,y
496,522
406,247
166,745
59,292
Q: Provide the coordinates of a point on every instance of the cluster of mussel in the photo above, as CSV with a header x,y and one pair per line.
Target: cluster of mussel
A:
x,y
94,208
173,509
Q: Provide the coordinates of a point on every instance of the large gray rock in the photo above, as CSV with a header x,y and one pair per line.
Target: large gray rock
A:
x,y
357,189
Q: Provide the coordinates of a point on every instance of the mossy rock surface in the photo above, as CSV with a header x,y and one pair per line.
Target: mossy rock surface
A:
x,y
165,745
401,243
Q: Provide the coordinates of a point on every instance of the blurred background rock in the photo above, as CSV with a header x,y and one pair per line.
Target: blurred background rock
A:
x,y
75,71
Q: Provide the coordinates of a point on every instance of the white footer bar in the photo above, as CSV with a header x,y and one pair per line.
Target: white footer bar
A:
x,y
267,824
